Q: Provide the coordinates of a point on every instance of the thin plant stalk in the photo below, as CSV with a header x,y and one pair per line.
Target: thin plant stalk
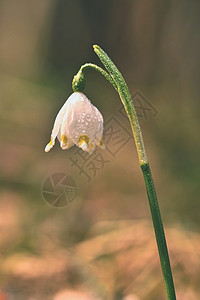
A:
x,y
114,76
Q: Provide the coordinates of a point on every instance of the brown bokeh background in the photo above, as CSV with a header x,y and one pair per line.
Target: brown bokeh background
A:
x,y
101,245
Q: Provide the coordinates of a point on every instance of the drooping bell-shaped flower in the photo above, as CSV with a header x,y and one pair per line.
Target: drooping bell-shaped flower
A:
x,y
78,122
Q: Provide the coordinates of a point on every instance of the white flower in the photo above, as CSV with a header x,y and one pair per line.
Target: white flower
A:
x,y
78,122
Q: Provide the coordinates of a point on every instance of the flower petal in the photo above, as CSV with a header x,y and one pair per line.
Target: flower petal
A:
x,y
56,126
84,120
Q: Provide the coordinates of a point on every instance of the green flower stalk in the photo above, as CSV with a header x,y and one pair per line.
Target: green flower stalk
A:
x,y
114,76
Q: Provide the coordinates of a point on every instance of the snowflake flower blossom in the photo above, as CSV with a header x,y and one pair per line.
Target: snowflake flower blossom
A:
x,y
78,123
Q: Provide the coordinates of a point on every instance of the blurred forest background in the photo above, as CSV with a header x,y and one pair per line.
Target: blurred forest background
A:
x,y
101,245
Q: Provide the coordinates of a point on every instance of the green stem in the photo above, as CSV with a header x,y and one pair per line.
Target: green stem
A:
x,y
101,71
126,99
116,79
159,232
78,83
